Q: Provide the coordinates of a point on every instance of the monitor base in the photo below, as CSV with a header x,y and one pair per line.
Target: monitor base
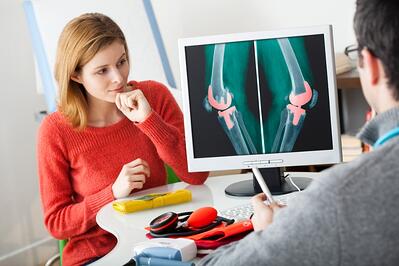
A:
x,y
246,188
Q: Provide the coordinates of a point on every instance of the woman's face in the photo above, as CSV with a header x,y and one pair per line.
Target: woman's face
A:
x,y
106,73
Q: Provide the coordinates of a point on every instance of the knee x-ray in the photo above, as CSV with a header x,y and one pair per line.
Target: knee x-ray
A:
x,y
261,96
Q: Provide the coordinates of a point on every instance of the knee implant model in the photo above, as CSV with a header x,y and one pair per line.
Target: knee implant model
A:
x,y
228,115
293,116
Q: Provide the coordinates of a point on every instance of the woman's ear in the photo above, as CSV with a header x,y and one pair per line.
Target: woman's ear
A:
x,y
371,66
76,77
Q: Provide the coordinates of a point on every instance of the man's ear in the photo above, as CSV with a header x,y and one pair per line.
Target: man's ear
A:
x,y
371,66
76,77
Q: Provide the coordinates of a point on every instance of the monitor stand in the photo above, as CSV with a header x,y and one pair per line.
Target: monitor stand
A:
x,y
275,180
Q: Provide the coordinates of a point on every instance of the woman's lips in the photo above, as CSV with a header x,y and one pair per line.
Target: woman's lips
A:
x,y
120,89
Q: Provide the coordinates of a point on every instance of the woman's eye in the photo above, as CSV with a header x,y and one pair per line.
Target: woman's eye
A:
x,y
102,71
122,62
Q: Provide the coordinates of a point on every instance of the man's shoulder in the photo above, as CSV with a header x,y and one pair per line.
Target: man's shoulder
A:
x,y
368,164
364,175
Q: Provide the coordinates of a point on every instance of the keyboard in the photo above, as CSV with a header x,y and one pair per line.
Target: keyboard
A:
x,y
244,211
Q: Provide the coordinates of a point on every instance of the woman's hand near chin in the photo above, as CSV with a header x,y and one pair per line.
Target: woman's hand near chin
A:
x,y
133,105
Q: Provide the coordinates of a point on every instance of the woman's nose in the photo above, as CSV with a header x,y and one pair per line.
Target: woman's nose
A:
x,y
116,76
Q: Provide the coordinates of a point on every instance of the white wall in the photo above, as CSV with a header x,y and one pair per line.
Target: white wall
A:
x,y
20,211
20,214
188,18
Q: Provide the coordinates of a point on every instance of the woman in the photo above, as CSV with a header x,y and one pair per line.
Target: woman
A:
x,y
108,139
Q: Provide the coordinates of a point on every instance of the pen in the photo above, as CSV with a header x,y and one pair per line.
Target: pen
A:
x,y
262,184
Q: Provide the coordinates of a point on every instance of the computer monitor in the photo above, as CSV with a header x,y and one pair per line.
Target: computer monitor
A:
x,y
260,99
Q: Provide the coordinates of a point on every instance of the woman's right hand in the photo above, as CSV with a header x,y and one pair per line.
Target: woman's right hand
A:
x,y
132,176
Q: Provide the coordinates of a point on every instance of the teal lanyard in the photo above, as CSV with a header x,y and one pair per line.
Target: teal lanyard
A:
x,y
391,134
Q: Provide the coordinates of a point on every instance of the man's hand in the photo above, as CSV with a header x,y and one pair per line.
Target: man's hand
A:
x,y
263,214
132,176
133,105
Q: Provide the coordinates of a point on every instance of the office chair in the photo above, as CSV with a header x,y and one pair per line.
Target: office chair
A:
x,y
58,256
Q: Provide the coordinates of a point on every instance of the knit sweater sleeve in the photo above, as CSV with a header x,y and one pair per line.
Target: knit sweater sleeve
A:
x,y
63,215
165,128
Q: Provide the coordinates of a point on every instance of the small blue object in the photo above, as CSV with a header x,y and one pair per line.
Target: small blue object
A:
x,y
151,261
165,251
162,252
180,249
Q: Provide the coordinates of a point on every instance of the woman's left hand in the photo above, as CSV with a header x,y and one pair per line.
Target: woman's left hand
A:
x,y
133,105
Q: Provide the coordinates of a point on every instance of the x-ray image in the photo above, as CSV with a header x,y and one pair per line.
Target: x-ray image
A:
x,y
260,96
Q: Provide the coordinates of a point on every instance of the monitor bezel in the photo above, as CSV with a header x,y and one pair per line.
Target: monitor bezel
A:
x,y
272,159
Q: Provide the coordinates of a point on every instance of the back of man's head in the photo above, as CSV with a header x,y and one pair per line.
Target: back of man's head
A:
x,y
376,26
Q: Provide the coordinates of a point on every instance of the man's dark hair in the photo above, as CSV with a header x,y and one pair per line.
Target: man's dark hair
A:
x,y
376,25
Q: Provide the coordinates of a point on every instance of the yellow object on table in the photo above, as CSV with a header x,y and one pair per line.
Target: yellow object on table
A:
x,y
154,200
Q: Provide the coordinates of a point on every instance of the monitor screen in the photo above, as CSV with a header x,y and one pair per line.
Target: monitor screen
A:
x,y
260,99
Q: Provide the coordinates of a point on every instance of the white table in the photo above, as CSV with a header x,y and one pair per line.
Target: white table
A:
x,y
129,228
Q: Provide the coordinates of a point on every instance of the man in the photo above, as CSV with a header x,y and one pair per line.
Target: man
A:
x,y
350,215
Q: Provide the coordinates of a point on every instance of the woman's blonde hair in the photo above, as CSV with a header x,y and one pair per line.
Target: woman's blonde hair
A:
x,y
79,42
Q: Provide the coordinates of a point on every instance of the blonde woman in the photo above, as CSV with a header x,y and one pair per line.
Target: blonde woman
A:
x,y
108,139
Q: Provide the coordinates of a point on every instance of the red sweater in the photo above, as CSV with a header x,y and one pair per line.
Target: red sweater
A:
x,y
77,169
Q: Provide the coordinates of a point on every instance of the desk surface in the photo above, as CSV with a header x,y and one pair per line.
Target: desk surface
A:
x,y
129,228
